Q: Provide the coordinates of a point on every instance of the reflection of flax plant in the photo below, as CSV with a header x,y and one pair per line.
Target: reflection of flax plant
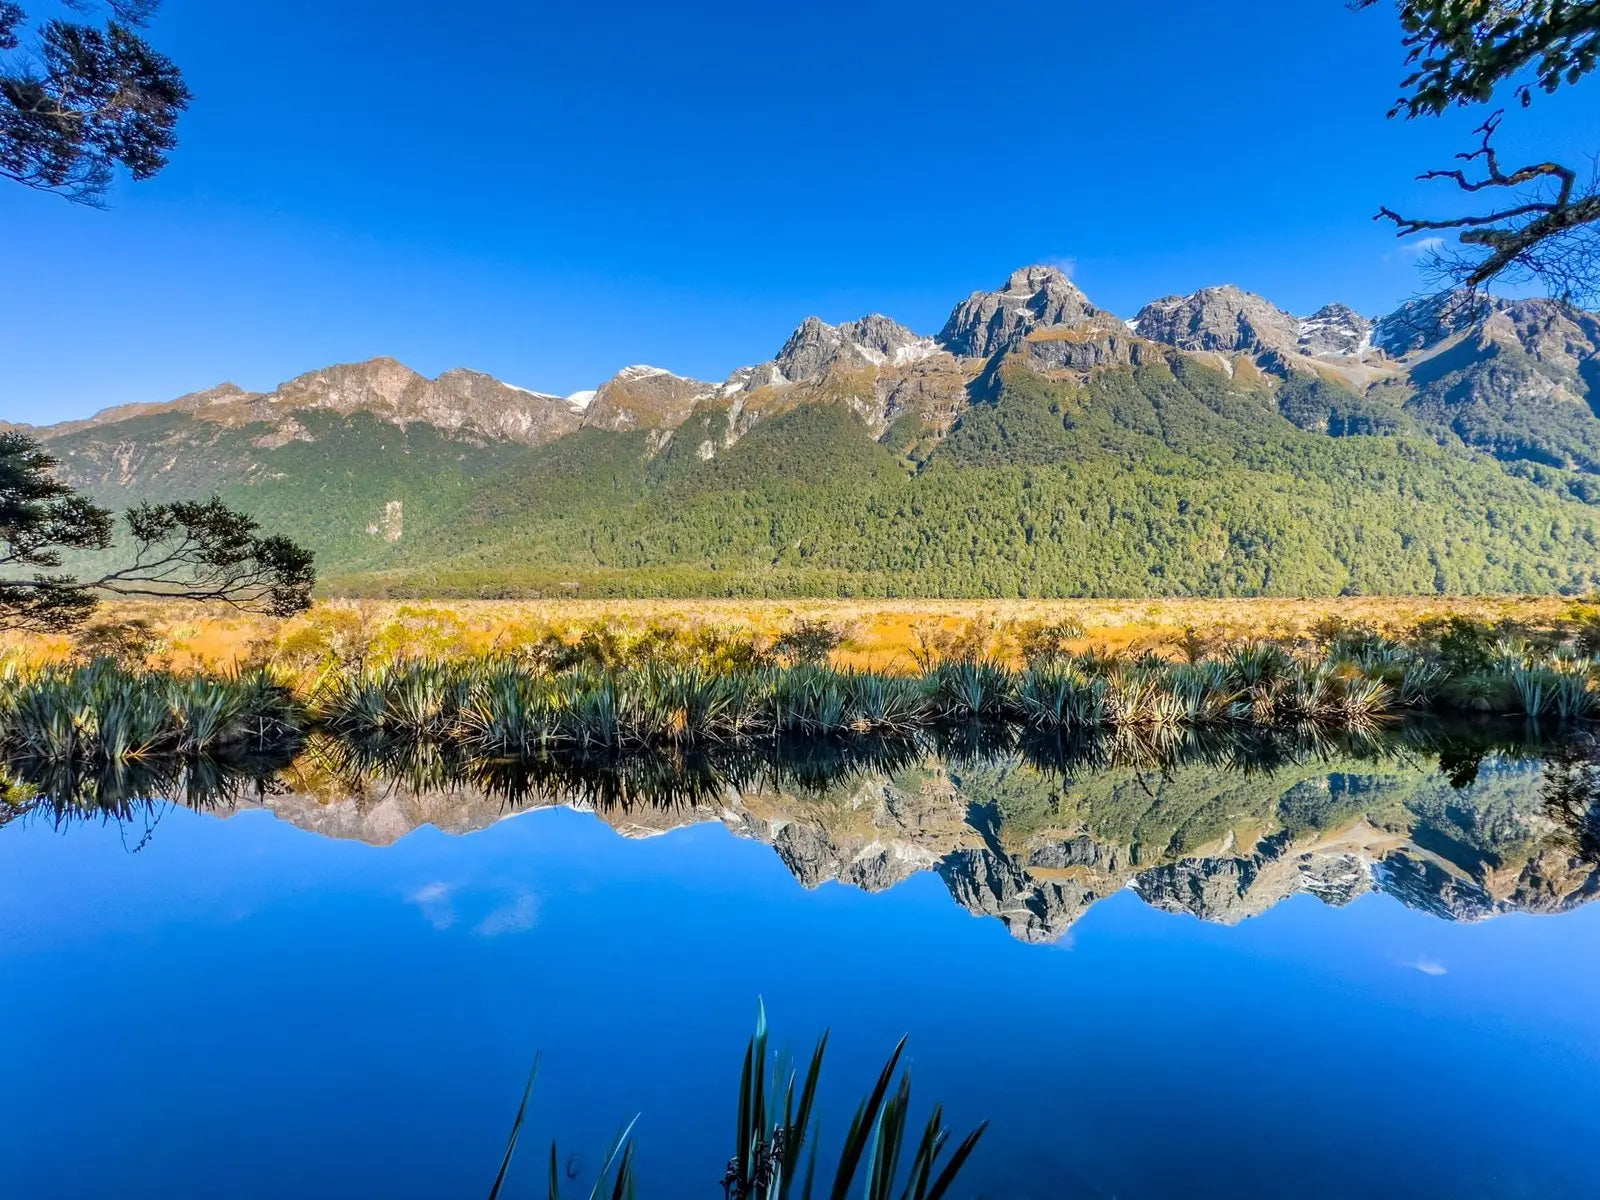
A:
x,y
673,776
422,715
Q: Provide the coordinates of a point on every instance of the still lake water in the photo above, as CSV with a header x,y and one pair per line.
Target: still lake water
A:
x,y
1343,975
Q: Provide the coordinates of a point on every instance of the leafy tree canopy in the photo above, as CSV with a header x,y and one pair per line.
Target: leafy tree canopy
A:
x,y
80,99
195,550
1462,50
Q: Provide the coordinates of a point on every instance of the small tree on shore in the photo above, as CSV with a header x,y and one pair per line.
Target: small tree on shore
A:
x,y
190,550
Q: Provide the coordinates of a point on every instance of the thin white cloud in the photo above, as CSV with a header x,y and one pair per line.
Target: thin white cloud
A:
x,y
1422,247
1430,966
516,916
1065,263
434,901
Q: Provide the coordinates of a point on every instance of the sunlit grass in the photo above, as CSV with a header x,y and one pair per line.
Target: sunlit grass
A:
x,y
597,691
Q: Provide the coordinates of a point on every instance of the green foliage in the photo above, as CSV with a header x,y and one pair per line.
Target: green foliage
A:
x,y
666,690
811,445
971,689
128,643
1462,50
773,1127
40,519
1319,406
199,550
1041,641
85,100
809,641
103,713
329,490
1156,481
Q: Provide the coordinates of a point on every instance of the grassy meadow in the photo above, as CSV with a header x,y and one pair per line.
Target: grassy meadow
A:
x,y
891,636
499,682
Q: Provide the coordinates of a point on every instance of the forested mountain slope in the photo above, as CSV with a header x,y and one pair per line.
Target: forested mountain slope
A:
x,y
1037,446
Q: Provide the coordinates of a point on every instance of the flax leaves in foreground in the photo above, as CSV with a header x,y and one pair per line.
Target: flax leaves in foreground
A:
x,y
773,1126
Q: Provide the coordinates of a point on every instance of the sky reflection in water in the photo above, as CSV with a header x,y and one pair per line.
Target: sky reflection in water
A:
x,y
260,1006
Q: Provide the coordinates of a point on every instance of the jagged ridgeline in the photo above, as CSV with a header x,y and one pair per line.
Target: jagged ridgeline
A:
x,y
1037,446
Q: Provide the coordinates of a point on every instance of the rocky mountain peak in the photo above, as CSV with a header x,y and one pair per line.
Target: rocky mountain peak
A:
x,y
1551,333
815,347
375,384
643,371
1546,330
1032,298
878,333
1029,281
1335,330
223,393
811,347
1226,319
459,400
644,397
1423,323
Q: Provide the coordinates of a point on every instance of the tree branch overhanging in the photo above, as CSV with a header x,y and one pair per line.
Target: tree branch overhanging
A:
x,y
1545,226
83,101
1544,230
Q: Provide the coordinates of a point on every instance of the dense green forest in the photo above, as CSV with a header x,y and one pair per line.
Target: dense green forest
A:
x,y
1155,480
1168,478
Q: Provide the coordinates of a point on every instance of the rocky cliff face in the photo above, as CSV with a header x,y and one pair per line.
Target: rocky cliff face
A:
x,y
873,341
1080,349
1518,379
1335,331
1227,324
1423,323
1033,298
644,397
1225,319
876,367
1229,890
1546,330
459,401
1561,339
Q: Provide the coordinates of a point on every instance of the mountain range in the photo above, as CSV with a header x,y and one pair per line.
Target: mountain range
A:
x,y
1035,445
1036,850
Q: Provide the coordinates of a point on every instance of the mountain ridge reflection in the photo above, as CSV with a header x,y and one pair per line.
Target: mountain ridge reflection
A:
x,y
1464,821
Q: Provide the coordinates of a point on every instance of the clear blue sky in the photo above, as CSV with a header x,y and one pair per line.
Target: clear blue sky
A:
x,y
550,192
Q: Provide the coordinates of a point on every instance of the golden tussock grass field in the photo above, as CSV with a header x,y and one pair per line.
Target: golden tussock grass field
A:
x,y
882,634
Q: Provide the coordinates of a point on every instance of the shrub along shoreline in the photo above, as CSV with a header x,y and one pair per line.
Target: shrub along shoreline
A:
x,y
531,704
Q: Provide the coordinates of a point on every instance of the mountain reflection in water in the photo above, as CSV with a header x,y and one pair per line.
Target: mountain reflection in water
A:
x,y
1462,821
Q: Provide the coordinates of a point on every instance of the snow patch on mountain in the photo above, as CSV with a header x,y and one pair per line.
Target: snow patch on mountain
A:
x,y
1335,331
